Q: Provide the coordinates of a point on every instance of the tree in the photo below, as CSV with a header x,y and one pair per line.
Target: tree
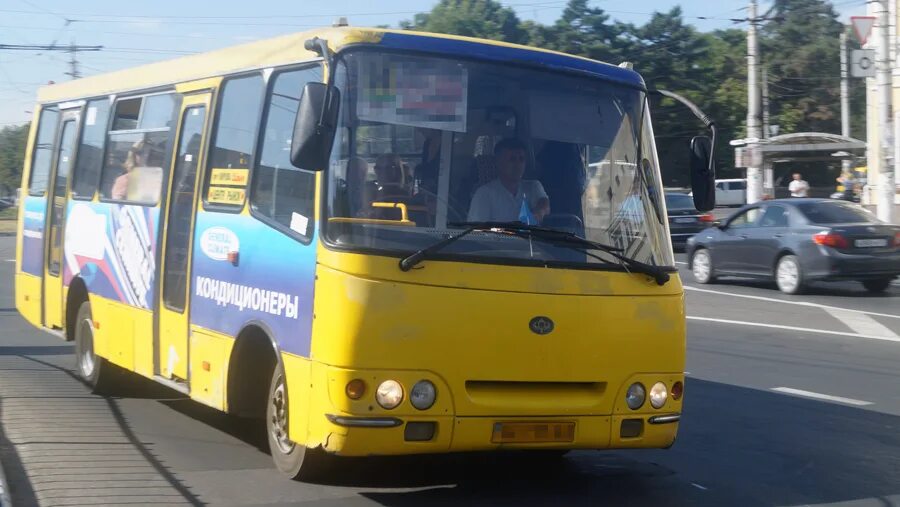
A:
x,y
474,18
12,156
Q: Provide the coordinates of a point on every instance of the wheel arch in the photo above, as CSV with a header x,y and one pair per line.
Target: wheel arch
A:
x,y
253,357
77,294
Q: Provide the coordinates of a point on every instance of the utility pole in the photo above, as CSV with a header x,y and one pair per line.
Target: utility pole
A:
x,y
765,103
845,97
886,185
73,61
754,176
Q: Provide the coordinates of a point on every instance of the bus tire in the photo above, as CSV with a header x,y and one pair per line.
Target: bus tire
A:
x,y
98,373
292,459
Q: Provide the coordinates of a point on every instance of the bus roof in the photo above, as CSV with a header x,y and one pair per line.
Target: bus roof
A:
x,y
287,49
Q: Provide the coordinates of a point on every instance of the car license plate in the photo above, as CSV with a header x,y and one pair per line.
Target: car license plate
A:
x,y
533,432
869,243
685,220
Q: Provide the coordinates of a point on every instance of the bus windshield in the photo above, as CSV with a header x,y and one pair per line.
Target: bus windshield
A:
x,y
426,145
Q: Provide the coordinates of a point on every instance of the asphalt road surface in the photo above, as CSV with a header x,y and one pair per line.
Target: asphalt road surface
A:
x,y
790,400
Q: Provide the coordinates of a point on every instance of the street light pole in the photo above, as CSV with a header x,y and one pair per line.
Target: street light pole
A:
x,y
845,96
886,185
754,176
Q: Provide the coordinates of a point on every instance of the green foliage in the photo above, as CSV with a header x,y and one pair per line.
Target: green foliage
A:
x,y
474,18
12,157
799,47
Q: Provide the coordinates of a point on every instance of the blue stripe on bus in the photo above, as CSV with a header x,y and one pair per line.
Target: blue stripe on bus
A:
x,y
507,54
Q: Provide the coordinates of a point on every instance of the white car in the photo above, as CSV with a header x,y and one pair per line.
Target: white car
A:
x,y
731,192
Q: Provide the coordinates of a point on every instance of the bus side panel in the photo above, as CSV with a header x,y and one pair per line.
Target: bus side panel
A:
x,y
31,258
33,235
271,282
112,247
209,357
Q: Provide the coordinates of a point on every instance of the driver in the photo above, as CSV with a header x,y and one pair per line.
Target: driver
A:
x,y
509,198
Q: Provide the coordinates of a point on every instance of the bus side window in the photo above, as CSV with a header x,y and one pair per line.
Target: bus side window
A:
x,y
86,175
43,151
234,138
139,145
282,192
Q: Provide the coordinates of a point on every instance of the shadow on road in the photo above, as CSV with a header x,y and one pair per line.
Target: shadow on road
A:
x,y
840,289
736,446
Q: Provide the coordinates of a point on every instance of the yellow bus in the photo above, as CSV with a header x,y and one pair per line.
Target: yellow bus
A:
x,y
379,242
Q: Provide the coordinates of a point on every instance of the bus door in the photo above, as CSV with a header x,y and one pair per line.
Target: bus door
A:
x,y
172,338
63,161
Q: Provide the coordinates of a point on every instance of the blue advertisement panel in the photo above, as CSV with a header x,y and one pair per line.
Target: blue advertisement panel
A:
x,y
271,282
113,248
33,235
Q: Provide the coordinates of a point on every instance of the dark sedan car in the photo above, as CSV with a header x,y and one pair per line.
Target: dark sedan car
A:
x,y
796,241
684,219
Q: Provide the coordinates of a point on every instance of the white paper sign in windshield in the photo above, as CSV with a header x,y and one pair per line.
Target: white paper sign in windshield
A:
x,y
420,92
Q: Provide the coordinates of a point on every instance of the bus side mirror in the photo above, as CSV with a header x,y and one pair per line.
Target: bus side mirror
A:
x,y
315,126
703,174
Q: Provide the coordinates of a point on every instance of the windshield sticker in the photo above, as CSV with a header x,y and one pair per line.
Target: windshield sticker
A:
x,y
218,242
299,223
232,177
420,92
225,195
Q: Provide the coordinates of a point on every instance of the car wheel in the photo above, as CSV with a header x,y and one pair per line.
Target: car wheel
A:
x,y
877,285
789,275
702,267
101,376
291,458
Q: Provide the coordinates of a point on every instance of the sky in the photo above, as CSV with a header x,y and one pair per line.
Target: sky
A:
x,y
133,33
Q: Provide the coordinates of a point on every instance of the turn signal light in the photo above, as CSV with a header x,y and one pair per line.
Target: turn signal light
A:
x,y
356,388
707,218
677,390
831,239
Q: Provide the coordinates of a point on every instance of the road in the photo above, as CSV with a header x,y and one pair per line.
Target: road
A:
x,y
789,401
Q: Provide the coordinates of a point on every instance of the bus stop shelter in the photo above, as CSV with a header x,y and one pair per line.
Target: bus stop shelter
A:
x,y
799,147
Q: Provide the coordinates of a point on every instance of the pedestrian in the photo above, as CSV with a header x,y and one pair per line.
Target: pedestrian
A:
x,y
798,187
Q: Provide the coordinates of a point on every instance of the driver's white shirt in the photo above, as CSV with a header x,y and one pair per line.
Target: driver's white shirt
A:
x,y
492,202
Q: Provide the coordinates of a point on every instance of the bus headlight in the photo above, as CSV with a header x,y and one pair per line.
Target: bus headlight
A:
x,y
658,395
389,394
422,395
635,396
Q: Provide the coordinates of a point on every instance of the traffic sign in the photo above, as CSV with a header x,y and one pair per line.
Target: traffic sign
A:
x,y
862,27
862,63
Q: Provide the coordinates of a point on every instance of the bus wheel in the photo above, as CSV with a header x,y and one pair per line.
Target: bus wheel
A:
x,y
291,459
93,369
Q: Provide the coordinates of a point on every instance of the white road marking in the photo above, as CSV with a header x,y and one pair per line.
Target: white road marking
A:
x,y
794,328
789,302
861,323
10,260
681,262
819,396
694,484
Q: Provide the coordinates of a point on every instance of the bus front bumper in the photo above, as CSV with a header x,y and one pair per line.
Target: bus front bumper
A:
x,y
366,436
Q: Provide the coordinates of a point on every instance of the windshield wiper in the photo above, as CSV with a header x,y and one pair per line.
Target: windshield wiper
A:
x,y
553,236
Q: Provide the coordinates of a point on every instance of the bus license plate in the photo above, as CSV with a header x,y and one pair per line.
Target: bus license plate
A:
x,y
685,220
869,243
533,432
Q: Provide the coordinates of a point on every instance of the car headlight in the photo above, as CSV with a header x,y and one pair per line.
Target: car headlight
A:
x,y
635,396
389,394
422,395
658,395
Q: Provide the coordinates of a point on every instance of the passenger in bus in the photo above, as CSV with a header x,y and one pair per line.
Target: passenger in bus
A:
x,y
136,157
509,198
390,177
